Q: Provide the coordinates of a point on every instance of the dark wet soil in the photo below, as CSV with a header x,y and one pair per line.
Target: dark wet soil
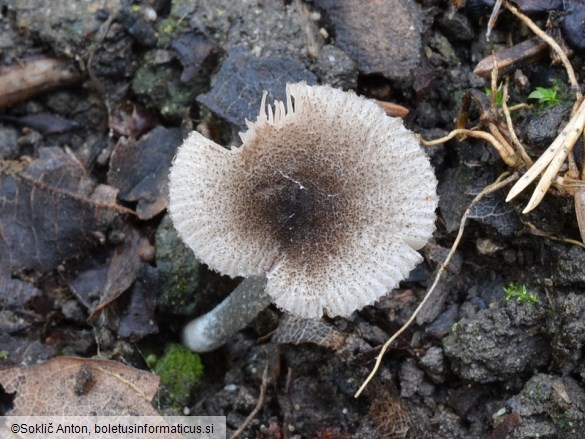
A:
x,y
90,263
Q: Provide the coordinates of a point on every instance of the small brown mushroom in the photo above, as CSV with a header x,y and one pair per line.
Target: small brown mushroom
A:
x,y
327,197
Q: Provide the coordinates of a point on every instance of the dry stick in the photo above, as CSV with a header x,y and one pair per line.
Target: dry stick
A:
x,y
35,76
511,158
553,45
254,412
493,18
497,185
494,83
519,147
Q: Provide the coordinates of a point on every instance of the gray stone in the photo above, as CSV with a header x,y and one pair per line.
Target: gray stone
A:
x,y
499,343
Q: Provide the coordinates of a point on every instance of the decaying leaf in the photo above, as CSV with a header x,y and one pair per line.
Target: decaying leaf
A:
x,y
79,387
298,331
139,169
137,318
15,296
51,210
457,190
380,36
122,272
120,292
196,53
236,93
15,293
23,349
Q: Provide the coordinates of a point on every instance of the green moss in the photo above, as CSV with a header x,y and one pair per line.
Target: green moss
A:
x,y
519,293
564,421
176,23
180,371
159,87
180,273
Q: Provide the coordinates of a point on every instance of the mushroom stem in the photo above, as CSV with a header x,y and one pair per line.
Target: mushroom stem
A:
x,y
211,330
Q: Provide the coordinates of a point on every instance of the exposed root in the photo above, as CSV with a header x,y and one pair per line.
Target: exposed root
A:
x,y
502,181
259,404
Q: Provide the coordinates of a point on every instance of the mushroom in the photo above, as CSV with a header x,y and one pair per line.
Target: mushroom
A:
x,y
322,207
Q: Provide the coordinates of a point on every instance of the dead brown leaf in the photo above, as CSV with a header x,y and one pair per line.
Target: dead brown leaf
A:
x,y
381,36
70,386
51,210
122,272
139,169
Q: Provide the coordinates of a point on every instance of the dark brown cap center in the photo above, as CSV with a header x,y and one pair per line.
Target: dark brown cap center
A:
x,y
301,210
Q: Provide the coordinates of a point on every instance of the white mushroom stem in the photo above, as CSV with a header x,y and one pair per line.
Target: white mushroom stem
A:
x,y
213,329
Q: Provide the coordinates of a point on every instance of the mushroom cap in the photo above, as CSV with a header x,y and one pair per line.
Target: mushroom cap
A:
x,y
328,197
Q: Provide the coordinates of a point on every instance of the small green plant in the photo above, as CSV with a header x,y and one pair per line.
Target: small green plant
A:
x,y
499,95
519,293
3,355
544,95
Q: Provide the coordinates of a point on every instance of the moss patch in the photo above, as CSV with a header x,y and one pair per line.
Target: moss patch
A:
x,y
180,371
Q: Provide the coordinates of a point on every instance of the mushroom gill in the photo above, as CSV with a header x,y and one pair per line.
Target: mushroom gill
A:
x,y
327,196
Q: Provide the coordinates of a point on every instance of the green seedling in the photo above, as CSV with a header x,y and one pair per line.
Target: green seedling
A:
x,y
499,95
519,293
548,96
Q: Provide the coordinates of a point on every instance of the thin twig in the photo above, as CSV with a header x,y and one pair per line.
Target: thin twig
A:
x,y
259,404
519,147
493,18
494,83
520,106
504,180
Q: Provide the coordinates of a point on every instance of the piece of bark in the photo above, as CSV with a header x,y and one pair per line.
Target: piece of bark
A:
x,y
512,58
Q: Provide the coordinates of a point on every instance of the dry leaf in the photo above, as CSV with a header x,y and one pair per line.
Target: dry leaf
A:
x,y
237,90
69,386
122,272
51,210
381,36
297,331
139,169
